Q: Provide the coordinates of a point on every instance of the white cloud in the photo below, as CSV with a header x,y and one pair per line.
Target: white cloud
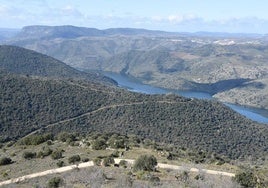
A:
x,y
67,14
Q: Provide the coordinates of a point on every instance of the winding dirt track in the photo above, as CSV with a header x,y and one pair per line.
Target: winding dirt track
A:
x,y
95,111
90,163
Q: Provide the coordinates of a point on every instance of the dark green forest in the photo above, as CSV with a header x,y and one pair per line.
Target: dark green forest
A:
x,y
47,104
27,62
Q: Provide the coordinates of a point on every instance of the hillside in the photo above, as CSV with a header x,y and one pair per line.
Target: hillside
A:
x,y
27,62
29,104
233,67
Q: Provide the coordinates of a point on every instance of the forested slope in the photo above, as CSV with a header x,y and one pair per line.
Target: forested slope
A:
x,y
27,62
28,104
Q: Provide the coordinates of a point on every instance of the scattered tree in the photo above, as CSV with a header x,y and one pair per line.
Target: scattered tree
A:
x,y
57,154
74,158
145,162
28,155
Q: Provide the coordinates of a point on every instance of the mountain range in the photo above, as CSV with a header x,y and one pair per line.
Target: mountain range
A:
x,y
231,67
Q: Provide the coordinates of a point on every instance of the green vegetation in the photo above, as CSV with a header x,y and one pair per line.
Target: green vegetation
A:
x,y
36,139
236,73
144,171
55,106
37,104
107,161
55,182
29,155
73,159
5,161
46,151
57,154
146,163
18,60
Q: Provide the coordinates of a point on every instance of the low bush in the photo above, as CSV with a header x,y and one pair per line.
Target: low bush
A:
x,y
123,163
97,161
73,159
5,161
57,154
99,144
145,162
28,155
55,182
107,161
60,163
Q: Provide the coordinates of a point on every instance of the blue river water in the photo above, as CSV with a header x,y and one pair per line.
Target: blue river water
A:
x,y
131,84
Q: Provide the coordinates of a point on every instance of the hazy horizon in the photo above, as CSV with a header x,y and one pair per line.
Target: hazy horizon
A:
x,y
247,16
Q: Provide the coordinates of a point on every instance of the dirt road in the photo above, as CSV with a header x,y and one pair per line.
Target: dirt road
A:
x,y
90,163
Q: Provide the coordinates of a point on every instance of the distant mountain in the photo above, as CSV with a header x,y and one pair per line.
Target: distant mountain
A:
x,y
68,32
6,33
232,67
27,62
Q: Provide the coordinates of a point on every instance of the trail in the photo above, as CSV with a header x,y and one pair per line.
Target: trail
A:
x,y
97,110
90,163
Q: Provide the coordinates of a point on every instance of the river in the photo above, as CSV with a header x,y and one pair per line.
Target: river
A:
x,y
134,85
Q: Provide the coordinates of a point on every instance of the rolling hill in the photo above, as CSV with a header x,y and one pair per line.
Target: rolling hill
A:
x,y
233,68
32,104
18,60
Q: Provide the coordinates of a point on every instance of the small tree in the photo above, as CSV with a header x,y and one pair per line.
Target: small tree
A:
x,y
99,144
57,154
97,161
145,162
74,158
123,163
5,161
246,178
55,182
29,155
107,161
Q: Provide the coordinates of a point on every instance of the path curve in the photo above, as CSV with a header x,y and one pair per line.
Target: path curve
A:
x,y
117,160
97,110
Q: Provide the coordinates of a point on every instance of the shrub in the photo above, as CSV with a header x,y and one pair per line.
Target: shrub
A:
x,y
123,163
66,137
97,161
60,163
57,154
46,151
115,154
154,180
5,161
74,158
36,139
107,161
143,175
145,162
99,144
29,155
85,159
55,182
49,142
116,142
246,178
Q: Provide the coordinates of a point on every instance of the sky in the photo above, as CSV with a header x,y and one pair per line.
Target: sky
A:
x,y
233,16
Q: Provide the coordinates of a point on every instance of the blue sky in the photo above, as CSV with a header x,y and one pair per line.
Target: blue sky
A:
x,y
247,16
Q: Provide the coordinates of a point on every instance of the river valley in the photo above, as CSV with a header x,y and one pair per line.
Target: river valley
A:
x,y
134,85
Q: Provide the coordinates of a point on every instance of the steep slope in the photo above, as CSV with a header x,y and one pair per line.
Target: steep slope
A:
x,y
27,62
29,104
